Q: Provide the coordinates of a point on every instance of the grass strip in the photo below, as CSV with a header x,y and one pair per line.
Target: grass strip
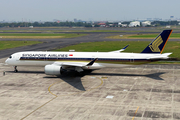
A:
x,y
14,44
143,36
173,35
39,35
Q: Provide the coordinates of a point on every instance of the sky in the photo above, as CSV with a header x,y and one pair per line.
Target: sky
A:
x,y
88,10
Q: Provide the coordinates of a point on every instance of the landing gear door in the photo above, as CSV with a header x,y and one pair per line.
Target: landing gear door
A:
x,y
132,59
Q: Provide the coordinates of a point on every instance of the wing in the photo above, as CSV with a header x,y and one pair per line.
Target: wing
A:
x,y
117,51
78,66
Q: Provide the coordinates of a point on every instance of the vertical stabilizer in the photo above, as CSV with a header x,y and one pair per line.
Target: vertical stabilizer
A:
x,y
158,44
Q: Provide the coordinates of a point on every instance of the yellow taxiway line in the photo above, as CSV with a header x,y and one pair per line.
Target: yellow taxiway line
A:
x,y
135,113
49,89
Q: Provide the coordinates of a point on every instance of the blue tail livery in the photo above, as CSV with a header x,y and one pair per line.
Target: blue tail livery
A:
x,y
158,44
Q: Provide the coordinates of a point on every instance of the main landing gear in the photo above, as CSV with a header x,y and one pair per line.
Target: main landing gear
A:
x,y
15,69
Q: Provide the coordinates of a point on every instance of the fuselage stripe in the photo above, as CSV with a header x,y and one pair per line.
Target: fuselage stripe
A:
x,y
99,60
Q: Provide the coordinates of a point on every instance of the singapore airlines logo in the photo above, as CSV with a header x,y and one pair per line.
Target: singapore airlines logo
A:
x,y
155,45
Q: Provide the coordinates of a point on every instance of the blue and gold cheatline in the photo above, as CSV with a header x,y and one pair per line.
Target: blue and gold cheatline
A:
x,y
157,45
99,60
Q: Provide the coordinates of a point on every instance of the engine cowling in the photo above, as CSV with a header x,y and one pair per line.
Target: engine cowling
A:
x,y
52,70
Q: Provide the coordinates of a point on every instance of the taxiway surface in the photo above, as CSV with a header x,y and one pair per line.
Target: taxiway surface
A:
x,y
139,93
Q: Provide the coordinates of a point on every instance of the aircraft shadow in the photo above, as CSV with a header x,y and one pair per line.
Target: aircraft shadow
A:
x,y
74,79
155,76
27,72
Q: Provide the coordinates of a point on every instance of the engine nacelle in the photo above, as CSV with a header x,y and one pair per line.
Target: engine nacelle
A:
x,y
52,70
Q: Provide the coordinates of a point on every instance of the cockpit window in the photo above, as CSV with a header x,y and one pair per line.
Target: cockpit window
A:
x,y
10,57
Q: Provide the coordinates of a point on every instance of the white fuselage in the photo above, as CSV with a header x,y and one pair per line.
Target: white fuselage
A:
x,y
104,59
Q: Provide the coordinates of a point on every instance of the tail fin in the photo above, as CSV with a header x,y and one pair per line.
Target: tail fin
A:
x,y
158,44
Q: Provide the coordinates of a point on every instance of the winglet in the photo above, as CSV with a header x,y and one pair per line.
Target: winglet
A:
x,y
124,47
117,51
92,62
158,44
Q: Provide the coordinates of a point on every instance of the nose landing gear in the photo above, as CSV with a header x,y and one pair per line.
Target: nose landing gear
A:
x,y
15,69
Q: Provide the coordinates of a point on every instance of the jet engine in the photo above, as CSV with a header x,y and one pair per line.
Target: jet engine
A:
x,y
53,70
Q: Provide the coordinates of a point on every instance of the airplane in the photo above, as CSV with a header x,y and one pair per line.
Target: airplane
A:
x,y
55,63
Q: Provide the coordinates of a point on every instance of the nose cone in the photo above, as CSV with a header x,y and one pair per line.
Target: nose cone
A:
x,y
7,61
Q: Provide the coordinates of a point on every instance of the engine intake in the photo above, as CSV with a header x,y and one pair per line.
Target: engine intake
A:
x,y
52,70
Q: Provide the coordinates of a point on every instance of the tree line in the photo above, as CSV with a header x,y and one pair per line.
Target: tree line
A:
x,y
76,24
46,24
164,23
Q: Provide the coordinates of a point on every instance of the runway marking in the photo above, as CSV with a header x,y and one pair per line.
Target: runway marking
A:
x,y
97,86
104,77
38,108
49,89
135,113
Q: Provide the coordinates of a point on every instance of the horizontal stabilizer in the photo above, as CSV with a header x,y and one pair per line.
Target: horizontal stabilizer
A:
x,y
160,56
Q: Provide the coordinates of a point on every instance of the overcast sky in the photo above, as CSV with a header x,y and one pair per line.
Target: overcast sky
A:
x,y
47,10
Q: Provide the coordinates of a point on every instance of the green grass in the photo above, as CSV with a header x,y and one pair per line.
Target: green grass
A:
x,y
142,36
14,44
107,31
173,35
124,30
42,34
135,47
166,62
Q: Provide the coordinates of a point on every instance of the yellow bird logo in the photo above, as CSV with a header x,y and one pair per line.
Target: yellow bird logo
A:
x,y
155,45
